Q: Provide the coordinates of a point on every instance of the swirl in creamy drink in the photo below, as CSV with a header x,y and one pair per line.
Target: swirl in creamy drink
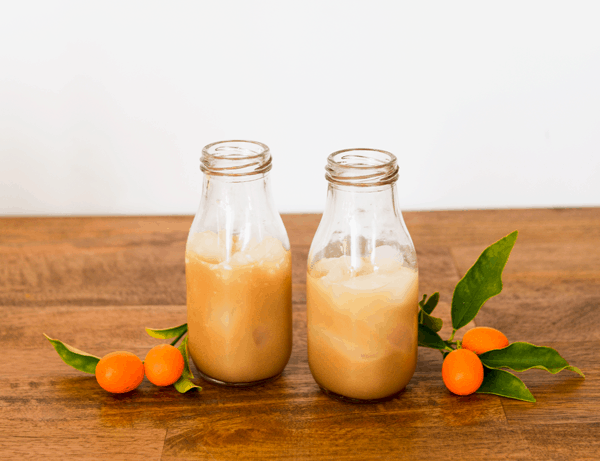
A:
x,y
239,307
362,324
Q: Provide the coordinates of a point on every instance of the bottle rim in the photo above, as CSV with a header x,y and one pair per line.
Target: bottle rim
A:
x,y
235,158
362,167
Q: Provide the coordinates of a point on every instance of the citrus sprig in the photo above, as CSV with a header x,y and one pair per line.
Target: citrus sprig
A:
x,y
162,356
482,282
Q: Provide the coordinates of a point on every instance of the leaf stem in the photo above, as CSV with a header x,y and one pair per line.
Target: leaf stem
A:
x,y
452,335
178,338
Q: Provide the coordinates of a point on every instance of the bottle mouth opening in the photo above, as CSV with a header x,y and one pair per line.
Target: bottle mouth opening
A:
x,y
361,167
235,158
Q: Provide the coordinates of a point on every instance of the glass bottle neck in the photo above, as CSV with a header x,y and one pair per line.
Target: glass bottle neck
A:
x,y
356,221
223,191
365,204
238,213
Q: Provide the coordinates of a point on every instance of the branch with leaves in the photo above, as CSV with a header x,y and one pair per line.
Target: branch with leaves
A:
x,y
87,363
482,282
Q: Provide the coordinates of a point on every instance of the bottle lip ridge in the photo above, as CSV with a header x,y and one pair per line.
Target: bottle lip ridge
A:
x,y
235,158
362,167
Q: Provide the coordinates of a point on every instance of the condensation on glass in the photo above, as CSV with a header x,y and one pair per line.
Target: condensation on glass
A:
x,y
238,270
362,282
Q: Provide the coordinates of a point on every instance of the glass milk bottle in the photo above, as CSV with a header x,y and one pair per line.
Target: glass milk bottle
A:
x,y
362,282
238,270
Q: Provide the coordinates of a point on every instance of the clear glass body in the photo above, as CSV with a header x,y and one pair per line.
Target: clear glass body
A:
x,y
238,270
362,282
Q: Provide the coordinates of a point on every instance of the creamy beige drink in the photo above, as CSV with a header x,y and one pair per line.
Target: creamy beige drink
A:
x,y
239,307
362,324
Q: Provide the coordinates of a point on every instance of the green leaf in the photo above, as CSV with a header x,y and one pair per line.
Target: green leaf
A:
x,y
167,332
79,360
187,373
427,307
481,282
184,383
504,384
433,300
524,356
433,323
429,338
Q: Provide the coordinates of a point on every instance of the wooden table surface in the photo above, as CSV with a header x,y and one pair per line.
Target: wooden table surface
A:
x,y
95,283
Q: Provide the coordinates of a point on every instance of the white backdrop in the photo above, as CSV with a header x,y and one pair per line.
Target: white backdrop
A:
x,y
105,106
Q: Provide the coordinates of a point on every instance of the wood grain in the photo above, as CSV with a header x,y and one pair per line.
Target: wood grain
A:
x,y
281,437
96,283
76,440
